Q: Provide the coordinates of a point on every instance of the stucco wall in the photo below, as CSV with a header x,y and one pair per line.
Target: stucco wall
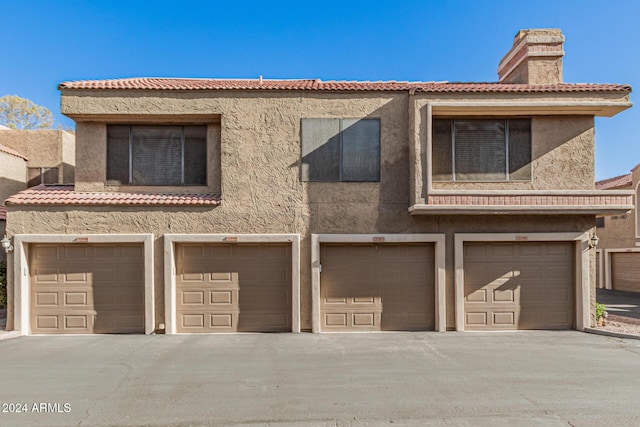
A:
x,y
13,175
68,157
355,217
259,169
537,71
43,148
562,158
620,230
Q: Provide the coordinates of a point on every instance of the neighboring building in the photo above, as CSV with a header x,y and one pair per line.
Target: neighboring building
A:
x,y
619,245
205,205
50,153
12,180
33,157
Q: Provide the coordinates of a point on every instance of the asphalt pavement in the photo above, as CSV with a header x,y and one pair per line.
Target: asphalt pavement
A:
x,y
625,304
468,379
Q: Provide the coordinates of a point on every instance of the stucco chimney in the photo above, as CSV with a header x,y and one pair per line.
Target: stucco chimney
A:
x,y
535,58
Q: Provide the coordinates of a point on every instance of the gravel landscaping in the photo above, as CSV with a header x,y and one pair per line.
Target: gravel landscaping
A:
x,y
621,325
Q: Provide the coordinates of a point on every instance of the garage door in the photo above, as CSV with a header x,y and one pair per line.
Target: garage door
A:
x,y
82,288
233,288
625,271
519,286
377,287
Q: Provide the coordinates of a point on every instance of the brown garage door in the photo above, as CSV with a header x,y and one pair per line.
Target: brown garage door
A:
x,y
233,288
86,288
625,271
377,287
519,285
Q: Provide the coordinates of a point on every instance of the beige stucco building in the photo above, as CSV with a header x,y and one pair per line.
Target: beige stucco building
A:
x,y
204,205
33,157
619,245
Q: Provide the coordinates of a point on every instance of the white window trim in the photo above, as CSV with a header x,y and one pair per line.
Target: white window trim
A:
x,y
439,268
170,241
22,277
582,285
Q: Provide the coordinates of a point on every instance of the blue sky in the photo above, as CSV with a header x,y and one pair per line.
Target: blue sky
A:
x,y
48,42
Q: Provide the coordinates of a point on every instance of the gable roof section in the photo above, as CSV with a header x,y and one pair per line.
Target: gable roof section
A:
x,y
615,182
65,195
151,83
12,152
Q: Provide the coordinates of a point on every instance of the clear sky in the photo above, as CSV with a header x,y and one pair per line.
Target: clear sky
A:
x,y
48,42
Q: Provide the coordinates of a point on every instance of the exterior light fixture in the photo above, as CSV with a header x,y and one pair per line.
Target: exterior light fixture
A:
x,y
593,241
6,244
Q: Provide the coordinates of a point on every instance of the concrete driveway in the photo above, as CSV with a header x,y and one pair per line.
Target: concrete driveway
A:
x,y
469,379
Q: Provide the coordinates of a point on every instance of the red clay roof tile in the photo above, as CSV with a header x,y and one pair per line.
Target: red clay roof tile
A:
x,y
615,182
65,195
8,150
152,83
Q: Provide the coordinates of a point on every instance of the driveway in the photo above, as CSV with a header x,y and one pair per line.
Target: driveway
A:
x,y
619,303
470,379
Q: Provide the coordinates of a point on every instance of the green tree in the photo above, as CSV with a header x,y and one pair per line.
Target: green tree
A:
x,y
21,113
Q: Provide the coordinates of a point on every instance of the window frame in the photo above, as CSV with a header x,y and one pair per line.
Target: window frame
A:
x,y
341,130
507,171
130,152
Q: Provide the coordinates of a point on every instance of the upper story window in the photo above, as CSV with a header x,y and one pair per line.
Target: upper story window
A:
x,y
42,175
481,149
156,155
340,150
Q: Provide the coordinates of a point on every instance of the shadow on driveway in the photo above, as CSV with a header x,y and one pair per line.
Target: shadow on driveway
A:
x,y
624,304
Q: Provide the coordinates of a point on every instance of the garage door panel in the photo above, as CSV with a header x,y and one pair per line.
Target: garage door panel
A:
x,y
479,295
504,318
625,271
504,295
45,275
519,286
476,318
45,253
372,287
85,294
47,322
46,299
263,297
233,287
76,299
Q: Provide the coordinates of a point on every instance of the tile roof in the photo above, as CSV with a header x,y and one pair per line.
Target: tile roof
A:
x,y
65,195
8,150
615,182
3,213
152,83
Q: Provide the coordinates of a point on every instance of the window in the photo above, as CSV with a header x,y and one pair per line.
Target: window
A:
x,y
340,150
599,222
42,175
156,155
481,149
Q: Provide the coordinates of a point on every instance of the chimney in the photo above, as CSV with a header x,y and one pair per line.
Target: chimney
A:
x,y
535,58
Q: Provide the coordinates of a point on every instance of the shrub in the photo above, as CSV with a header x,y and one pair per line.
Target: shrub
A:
x,y
600,311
